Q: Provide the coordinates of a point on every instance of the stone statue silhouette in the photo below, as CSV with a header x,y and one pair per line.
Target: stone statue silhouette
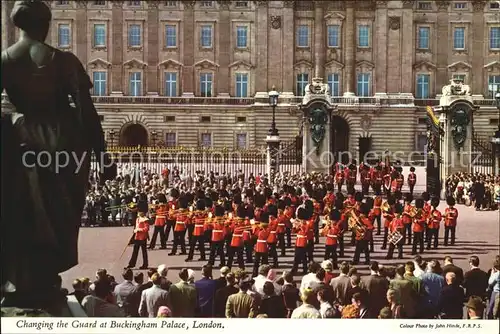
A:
x,y
42,200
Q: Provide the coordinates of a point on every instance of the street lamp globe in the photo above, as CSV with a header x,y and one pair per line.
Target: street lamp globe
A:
x,y
273,97
497,98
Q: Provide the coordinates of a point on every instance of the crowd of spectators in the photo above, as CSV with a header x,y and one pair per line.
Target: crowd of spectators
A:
x,y
480,190
414,290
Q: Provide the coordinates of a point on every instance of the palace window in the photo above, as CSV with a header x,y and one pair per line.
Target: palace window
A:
x,y
363,84
424,5
64,36
206,36
171,36
459,38
134,35
460,5
460,77
207,4
334,84
241,84
363,36
99,83
135,83
493,85
241,36
303,36
241,4
171,3
99,35
495,38
170,139
423,84
333,36
423,38
170,84
206,139
100,3
494,5
241,141
302,81
206,84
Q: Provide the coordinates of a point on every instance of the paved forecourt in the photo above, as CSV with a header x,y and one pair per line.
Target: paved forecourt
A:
x,y
101,247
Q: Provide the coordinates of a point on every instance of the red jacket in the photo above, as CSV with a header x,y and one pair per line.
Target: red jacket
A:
x,y
161,215
237,237
262,235
450,216
301,240
218,230
368,229
434,219
419,224
406,214
199,224
377,203
141,228
172,205
331,234
397,225
412,179
388,217
181,220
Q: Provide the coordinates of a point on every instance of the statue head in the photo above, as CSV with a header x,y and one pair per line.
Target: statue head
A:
x,y
33,17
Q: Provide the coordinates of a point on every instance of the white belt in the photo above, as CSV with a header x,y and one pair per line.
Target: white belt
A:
x,y
261,240
197,225
281,224
219,231
238,235
331,236
157,216
273,232
301,236
182,223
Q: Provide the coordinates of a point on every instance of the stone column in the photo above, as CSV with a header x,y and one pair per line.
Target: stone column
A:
x,y
8,29
442,47
407,48
381,48
319,40
272,156
476,81
224,46
288,38
350,49
154,43
117,48
261,43
189,37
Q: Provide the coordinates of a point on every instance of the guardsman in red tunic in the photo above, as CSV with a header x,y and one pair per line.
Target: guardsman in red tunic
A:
x,y
316,213
377,212
407,218
433,223
351,174
328,200
400,179
339,176
450,221
363,235
396,225
182,217
300,227
339,205
288,214
173,205
228,231
272,239
377,179
217,244
141,235
427,211
198,219
261,249
365,179
160,222
419,222
412,179
239,229
331,231
388,213
394,182
281,226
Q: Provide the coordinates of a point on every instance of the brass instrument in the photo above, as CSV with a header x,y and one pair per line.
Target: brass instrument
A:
x,y
394,237
385,207
356,225
296,223
122,206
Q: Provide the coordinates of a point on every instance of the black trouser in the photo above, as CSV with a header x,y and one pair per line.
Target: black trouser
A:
x,y
249,251
412,186
227,241
407,234
288,232
239,257
350,187
372,246
339,186
353,238
281,243
169,226
190,229
217,249
432,233
365,188
331,254
200,240
179,240
310,250
361,247
316,231
378,219
447,230
300,257
387,191
142,245
377,189
418,240
273,253
163,241
479,201
340,239
392,247
384,241
260,258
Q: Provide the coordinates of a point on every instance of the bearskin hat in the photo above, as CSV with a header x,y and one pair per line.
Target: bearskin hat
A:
x,y
308,204
174,193
267,193
426,196
391,200
435,202
183,202
450,201
263,217
339,204
412,169
419,203
208,202
364,209
214,196
200,204
287,201
340,196
241,211
329,187
408,198
281,204
358,196
219,211
302,213
142,207
200,194
369,202
228,206
259,201
237,199
162,198
189,197
272,210
335,215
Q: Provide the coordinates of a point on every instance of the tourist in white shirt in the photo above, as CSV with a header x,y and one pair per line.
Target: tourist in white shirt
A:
x,y
311,277
306,310
418,262
325,308
262,278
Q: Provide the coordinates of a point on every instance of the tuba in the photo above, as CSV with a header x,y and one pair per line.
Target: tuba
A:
x,y
356,225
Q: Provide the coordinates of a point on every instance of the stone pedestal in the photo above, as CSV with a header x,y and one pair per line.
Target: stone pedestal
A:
x,y
272,156
317,108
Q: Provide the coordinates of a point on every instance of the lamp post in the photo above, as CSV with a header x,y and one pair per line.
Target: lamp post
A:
x,y
496,138
273,140
111,137
153,137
